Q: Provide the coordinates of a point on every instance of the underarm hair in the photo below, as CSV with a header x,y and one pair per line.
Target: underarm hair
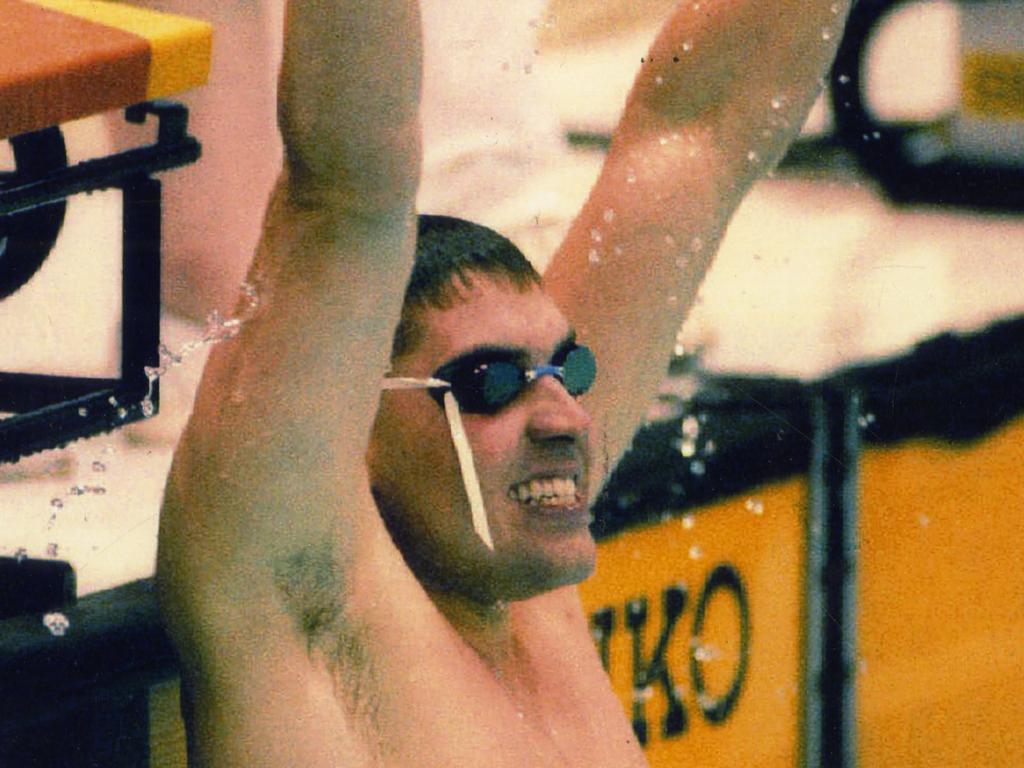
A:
x,y
312,590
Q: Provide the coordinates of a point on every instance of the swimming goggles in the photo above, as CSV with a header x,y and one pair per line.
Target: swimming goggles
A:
x,y
485,382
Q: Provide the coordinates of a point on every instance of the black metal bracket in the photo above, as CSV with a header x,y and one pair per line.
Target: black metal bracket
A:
x,y
51,411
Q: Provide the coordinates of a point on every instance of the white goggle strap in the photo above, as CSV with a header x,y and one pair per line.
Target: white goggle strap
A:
x,y
463,451
469,478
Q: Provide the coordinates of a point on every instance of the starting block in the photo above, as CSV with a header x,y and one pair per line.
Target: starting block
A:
x,y
86,57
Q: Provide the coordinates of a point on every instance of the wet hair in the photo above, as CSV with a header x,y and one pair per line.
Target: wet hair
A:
x,y
449,253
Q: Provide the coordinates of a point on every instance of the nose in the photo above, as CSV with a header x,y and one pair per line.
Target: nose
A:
x,y
554,412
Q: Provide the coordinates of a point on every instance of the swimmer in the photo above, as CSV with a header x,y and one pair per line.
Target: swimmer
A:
x,y
336,595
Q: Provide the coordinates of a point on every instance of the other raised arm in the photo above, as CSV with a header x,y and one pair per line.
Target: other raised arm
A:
x,y
725,88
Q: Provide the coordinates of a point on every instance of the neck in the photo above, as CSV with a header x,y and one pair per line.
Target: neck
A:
x,y
486,627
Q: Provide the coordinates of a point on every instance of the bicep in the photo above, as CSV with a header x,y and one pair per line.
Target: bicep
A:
x,y
268,491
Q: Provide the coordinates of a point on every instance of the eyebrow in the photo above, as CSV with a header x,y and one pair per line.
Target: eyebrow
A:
x,y
504,352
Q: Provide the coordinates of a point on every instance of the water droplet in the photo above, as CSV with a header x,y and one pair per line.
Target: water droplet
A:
x,y
669,240
148,409
631,176
659,80
697,468
690,426
686,447
826,34
844,79
642,694
112,400
57,623
696,245
122,413
20,554
595,235
608,215
681,262
710,448
76,490
99,466
695,552
663,140
688,522
83,412
776,103
57,503
687,46
672,300
924,520
617,250
755,506
834,8
594,257
752,156
51,549
705,652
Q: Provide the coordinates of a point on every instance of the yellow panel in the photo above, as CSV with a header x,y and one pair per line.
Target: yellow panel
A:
x,y
181,46
760,535
993,84
941,604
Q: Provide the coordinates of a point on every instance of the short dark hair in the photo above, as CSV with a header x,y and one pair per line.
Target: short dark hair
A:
x,y
449,252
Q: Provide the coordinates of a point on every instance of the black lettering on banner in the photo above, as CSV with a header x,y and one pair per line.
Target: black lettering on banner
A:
x,y
723,577
602,624
656,670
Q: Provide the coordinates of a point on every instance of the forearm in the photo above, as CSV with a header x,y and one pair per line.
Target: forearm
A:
x,y
349,97
746,71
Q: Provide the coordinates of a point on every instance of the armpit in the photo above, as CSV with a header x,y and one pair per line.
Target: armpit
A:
x,y
313,592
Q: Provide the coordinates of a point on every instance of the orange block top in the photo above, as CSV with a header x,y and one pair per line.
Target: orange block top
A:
x,y
65,59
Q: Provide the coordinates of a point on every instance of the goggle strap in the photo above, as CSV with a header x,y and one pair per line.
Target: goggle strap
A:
x,y
406,382
466,465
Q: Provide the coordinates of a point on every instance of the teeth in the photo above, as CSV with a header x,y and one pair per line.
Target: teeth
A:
x,y
548,491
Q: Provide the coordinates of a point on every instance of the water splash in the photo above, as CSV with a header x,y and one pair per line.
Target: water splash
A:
x,y
57,623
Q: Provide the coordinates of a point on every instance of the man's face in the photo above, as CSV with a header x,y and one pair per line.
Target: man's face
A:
x,y
536,444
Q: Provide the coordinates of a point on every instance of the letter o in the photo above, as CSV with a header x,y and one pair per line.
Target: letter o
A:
x,y
723,577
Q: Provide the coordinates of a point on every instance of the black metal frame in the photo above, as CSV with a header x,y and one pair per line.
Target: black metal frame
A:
x,y
52,411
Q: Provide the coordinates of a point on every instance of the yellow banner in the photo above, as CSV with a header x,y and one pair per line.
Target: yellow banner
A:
x,y
698,620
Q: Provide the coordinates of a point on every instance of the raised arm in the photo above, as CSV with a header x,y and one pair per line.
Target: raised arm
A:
x,y
722,93
267,517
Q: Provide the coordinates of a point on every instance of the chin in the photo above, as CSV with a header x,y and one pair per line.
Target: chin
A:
x,y
553,567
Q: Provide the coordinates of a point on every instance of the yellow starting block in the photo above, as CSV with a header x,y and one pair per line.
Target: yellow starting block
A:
x,y
61,60
65,59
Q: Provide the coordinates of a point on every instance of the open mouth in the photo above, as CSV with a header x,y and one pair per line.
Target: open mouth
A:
x,y
547,492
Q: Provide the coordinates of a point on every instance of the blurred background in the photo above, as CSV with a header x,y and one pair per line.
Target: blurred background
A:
x,y
831,273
